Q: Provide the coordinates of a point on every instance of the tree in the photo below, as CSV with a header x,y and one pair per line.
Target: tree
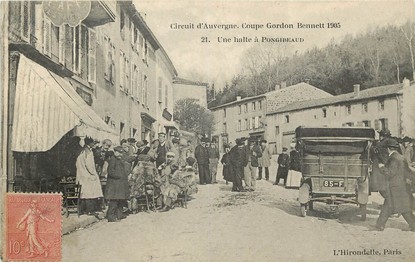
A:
x,y
408,32
193,117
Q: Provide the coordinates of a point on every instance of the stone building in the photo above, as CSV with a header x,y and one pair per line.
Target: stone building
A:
x,y
247,117
105,77
390,106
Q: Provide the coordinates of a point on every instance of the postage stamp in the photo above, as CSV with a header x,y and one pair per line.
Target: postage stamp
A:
x,y
33,227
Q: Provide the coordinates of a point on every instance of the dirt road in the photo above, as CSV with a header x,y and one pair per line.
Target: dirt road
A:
x,y
264,225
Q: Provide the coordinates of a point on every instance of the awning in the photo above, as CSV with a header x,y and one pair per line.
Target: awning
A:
x,y
169,124
47,107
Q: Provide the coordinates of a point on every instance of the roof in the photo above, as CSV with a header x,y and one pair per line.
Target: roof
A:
x,y
291,94
344,98
183,81
249,98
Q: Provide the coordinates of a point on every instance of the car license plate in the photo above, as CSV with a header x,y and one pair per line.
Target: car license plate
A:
x,y
331,183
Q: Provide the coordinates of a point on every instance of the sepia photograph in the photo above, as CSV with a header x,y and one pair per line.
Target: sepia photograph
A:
x,y
198,130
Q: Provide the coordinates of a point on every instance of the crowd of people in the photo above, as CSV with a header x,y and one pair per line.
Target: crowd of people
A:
x,y
393,178
166,164
245,162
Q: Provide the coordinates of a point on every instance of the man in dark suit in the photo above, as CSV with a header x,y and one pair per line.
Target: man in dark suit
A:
x,y
161,150
117,189
399,178
283,166
202,158
254,152
238,161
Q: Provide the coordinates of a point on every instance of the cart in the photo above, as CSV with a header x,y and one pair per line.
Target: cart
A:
x,y
335,166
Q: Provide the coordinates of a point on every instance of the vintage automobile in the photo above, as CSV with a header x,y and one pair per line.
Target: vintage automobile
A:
x,y
335,166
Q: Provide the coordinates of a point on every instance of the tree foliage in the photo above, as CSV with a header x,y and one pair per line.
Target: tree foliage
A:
x,y
193,117
379,56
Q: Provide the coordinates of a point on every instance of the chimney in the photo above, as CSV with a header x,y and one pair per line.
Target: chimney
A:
x,y
356,89
277,87
238,98
283,85
406,82
307,80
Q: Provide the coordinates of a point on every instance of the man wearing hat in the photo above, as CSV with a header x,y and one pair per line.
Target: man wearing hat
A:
x,y
161,149
213,160
117,188
202,158
408,150
265,161
399,178
238,161
379,155
283,166
254,152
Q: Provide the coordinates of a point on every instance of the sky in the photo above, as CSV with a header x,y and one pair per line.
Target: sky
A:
x,y
217,62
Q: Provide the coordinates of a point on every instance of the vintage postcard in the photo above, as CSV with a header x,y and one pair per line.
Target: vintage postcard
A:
x,y
240,130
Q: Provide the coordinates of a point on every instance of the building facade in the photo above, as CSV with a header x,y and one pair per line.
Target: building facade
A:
x,y
389,107
247,117
189,89
98,78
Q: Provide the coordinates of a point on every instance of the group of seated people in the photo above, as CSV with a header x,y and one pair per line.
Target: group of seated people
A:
x,y
137,164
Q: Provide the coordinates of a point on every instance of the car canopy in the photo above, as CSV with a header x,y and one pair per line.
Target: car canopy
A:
x,y
317,140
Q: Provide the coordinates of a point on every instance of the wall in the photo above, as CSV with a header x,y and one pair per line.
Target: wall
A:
x,y
232,118
336,116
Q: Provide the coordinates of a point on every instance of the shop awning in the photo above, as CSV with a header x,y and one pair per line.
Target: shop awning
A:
x,y
47,107
169,124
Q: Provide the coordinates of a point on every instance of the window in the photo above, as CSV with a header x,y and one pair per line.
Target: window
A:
x,y
224,112
160,90
109,58
382,105
224,128
277,130
240,109
383,123
134,78
144,91
348,109
253,106
364,107
69,52
287,119
92,47
245,108
245,126
260,124
256,124
238,128
133,131
366,123
348,124
122,129
259,105
122,65
324,112
251,123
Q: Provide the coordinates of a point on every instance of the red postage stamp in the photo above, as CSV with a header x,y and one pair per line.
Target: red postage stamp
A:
x,y
33,227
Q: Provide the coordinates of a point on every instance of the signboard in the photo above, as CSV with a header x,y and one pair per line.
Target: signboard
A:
x,y
66,12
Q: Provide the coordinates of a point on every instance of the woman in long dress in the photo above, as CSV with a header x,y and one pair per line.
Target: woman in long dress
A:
x,y
87,177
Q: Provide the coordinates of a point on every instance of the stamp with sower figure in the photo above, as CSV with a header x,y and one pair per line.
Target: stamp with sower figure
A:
x,y
33,227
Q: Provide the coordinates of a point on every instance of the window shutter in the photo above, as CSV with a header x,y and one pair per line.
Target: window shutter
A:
x,y
112,66
92,49
68,47
62,35
25,21
47,36
15,10
121,70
